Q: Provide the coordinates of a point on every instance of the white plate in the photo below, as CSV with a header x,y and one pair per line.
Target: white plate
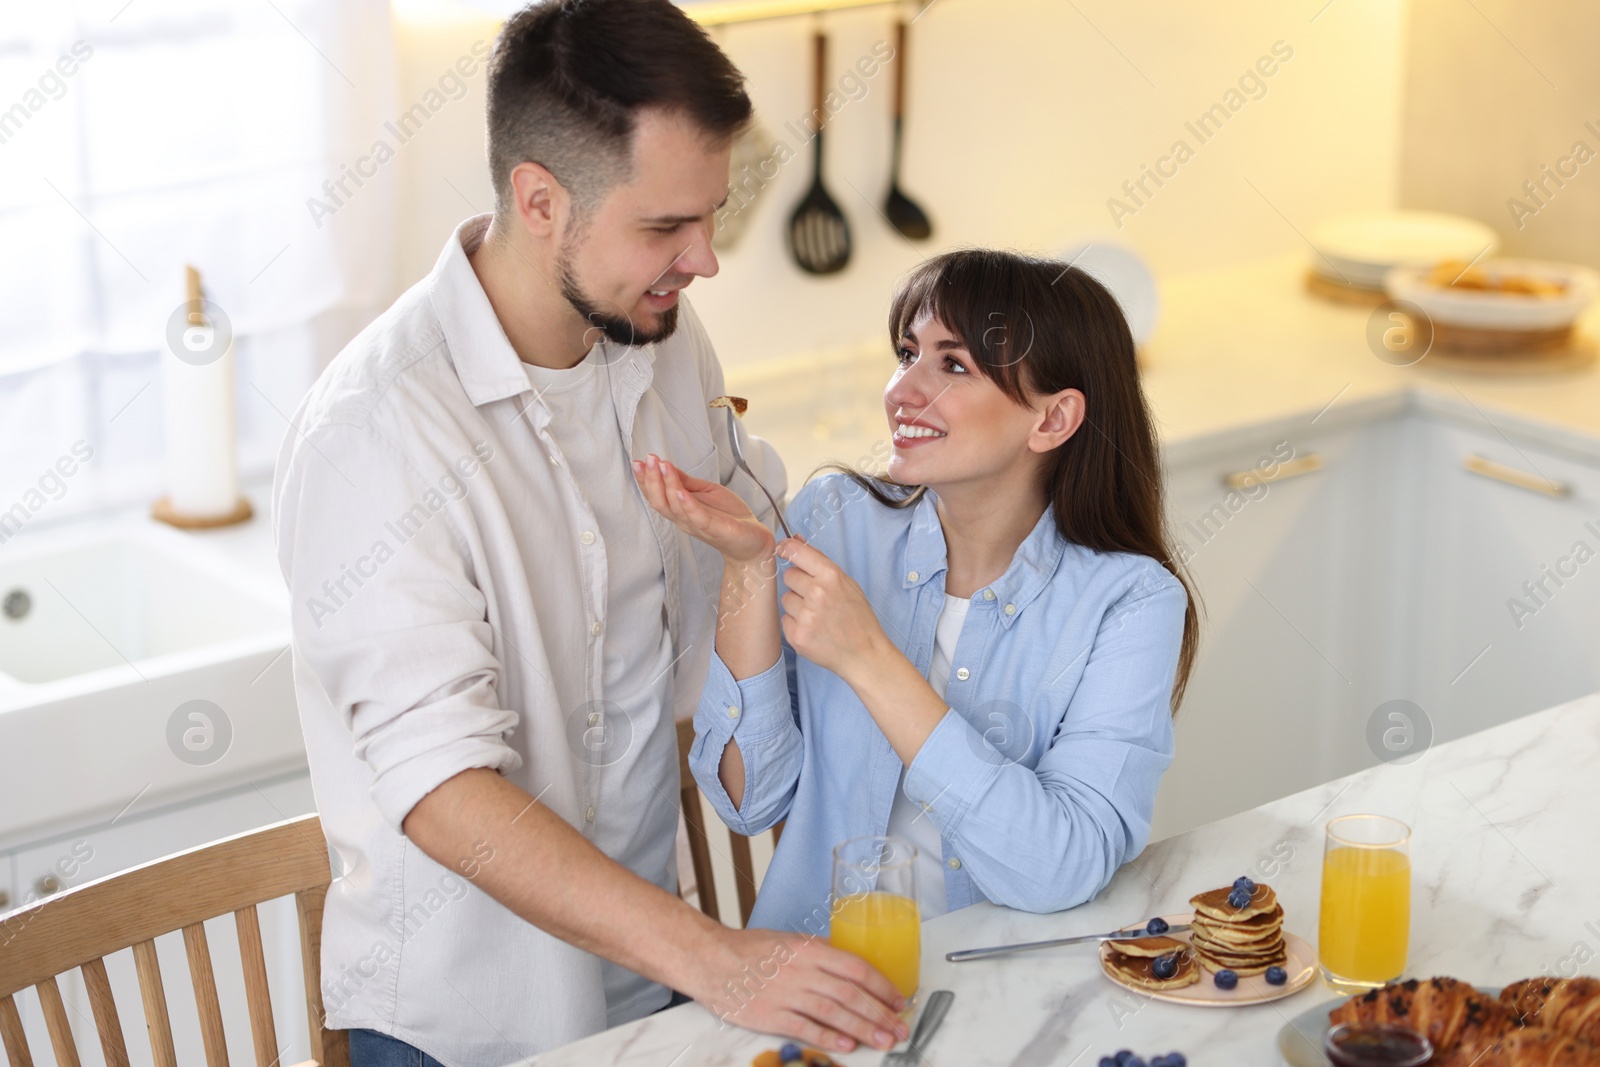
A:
x,y
1300,1040
1360,248
1301,965
1500,311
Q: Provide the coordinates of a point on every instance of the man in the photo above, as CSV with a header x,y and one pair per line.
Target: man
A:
x,y
493,633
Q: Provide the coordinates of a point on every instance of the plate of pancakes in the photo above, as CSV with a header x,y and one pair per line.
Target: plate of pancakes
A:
x,y
1245,940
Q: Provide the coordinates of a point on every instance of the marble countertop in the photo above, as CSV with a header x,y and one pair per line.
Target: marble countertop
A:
x,y
1503,888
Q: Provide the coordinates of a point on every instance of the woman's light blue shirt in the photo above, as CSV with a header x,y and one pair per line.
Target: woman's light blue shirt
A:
x,y
1042,775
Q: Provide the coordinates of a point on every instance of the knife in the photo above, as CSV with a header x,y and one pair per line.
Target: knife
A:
x,y
932,1015
1027,946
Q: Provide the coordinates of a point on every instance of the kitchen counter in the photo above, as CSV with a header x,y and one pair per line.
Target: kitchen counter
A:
x,y
1233,350
1242,347
1502,889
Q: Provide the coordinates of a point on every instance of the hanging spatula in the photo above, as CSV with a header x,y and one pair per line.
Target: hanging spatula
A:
x,y
819,234
902,212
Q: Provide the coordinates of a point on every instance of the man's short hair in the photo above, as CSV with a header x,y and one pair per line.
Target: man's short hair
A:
x,y
568,78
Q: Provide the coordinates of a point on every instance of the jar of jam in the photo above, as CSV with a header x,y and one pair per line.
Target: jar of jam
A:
x,y
1376,1045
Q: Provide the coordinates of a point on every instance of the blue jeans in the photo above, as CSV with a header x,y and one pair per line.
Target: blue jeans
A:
x,y
369,1048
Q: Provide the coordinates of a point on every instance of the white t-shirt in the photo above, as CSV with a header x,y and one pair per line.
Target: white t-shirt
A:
x,y
906,817
636,685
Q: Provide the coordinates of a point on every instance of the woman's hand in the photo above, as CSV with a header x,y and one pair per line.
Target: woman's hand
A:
x,y
713,513
827,618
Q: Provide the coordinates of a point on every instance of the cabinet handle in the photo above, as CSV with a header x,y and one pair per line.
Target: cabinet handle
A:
x,y
1536,483
1255,476
47,885
5,900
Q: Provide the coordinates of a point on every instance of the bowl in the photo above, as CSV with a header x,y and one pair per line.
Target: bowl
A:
x,y
1494,310
1376,1045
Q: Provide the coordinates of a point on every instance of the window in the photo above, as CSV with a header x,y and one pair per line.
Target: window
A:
x,y
137,136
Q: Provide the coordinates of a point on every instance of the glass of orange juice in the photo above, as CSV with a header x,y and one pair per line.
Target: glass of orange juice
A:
x,y
1365,925
875,910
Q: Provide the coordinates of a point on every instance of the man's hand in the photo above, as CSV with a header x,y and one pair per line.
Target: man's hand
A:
x,y
789,984
799,986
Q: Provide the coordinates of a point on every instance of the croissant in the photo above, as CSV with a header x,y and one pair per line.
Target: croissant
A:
x,y
1569,1005
1533,1047
1467,1028
1445,1010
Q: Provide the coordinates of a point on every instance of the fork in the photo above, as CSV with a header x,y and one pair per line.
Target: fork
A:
x,y
932,1015
738,460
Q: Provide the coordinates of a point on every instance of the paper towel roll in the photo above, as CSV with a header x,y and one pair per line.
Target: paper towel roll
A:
x,y
199,424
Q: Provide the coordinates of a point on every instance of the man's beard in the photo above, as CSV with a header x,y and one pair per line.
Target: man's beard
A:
x,y
620,329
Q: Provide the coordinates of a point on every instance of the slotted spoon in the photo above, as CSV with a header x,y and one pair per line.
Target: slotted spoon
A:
x,y
819,234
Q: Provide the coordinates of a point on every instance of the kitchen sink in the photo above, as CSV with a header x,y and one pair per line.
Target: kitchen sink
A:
x,y
136,662
115,601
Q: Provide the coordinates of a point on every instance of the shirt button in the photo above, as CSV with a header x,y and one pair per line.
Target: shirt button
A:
x,y
588,816
912,576
596,628
1011,609
988,594
953,863
588,537
733,711
595,718
963,674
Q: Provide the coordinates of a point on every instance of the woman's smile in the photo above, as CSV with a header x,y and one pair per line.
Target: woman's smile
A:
x,y
913,432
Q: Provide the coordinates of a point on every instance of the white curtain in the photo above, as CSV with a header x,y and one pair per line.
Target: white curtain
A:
x,y
137,136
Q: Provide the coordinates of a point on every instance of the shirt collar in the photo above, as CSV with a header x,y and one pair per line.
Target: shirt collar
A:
x,y
1035,562
489,368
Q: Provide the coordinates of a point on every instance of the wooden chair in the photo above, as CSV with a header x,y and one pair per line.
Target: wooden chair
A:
x,y
81,926
744,878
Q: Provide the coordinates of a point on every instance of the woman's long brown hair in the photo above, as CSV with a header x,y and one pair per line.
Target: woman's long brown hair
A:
x,y
1040,326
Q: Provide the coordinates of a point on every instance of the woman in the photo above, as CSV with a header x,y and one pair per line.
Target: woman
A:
x,y
983,651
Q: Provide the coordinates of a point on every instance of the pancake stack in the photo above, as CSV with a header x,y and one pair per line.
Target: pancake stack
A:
x,y
1134,962
1245,940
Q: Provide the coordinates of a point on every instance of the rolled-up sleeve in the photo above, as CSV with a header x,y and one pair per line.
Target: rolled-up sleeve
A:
x,y
758,714
762,715
1050,837
387,615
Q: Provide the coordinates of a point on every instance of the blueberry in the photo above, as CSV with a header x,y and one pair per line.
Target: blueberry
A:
x,y
1158,925
1160,1061
789,1053
1135,1061
1244,882
1108,1061
1277,976
1123,1056
1225,979
1164,966
1238,899
1177,1059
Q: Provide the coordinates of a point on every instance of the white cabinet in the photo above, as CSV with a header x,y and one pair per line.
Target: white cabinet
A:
x,y
1279,566
136,838
9,894
133,839
1508,590
1379,573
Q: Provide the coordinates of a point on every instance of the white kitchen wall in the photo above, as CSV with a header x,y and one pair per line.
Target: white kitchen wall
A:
x,y
1025,118
1502,121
